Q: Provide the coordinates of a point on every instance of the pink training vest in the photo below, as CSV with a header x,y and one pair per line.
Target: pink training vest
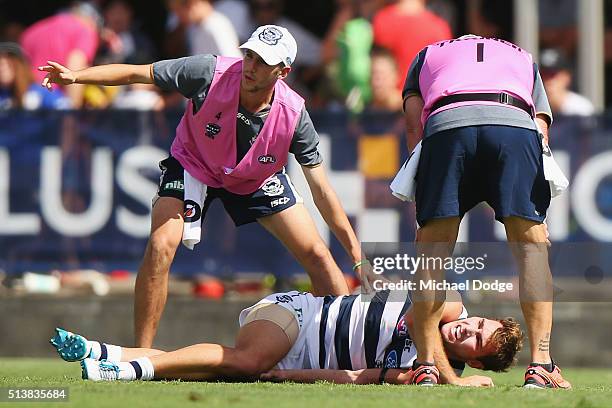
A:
x,y
474,65
205,143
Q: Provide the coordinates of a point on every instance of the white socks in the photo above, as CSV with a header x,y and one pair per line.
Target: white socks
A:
x,y
103,351
139,369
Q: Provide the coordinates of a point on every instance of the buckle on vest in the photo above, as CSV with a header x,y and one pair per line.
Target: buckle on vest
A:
x,y
504,98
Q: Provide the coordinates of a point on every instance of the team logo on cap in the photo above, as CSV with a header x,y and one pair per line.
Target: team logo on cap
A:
x,y
271,35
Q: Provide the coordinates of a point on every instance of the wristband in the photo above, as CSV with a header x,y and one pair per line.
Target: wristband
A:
x,y
381,377
362,262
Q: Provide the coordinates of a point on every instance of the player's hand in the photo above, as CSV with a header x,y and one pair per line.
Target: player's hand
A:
x,y
473,381
56,74
367,277
273,376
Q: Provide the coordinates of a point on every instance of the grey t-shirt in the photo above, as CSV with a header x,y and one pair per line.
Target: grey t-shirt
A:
x,y
192,76
474,115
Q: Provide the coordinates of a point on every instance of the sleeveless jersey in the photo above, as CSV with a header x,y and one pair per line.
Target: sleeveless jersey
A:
x,y
348,332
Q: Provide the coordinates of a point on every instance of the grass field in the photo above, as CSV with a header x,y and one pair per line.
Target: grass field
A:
x,y
592,388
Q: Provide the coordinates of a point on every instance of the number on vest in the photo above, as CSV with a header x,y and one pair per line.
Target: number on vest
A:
x,y
480,52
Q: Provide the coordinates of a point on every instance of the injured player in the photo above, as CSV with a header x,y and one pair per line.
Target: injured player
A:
x,y
361,339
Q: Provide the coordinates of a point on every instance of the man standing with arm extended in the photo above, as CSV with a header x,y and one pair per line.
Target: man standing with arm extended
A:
x,y
475,103
241,122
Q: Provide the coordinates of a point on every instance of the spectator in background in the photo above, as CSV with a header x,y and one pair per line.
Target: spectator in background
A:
x,y
346,50
264,12
206,30
70,38
383,79
238,13
18,90
558,24
557,77
405,28
123,42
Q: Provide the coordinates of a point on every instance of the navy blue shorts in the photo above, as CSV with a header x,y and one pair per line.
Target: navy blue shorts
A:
x,y
501,165
275,196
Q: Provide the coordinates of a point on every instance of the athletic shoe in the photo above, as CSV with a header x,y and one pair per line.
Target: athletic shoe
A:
x,y
539,377
70,346
95,370
425,375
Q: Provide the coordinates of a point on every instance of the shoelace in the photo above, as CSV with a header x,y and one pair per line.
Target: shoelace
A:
x,y
108,371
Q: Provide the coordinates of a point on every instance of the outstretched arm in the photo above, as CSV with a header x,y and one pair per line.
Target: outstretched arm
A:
x,y
360,377
113,74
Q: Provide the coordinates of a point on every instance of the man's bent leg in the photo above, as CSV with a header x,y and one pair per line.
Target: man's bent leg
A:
x,y
528,242
260,345
435,239
152,280
296,230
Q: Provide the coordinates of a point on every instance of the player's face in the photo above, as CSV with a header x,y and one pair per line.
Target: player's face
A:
x,y
257,75
468,339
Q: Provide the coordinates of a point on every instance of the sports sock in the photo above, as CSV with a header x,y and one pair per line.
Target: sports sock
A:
x,y
547,366
142,368
126,371
103,351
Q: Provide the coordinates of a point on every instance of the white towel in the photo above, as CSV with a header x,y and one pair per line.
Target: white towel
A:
x,y
552,172
195,194
403,185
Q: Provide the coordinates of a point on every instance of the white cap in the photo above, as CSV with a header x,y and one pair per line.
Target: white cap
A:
x,y
274,44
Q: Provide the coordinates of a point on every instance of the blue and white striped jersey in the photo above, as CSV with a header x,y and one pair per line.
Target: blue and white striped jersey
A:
x,y
349,332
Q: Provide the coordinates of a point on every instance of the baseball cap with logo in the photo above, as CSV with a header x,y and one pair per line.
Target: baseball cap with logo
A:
x,y
274,44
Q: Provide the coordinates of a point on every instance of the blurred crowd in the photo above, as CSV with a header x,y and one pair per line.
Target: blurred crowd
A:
x,y
358,63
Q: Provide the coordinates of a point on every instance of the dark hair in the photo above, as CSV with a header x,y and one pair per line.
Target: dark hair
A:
x,y
23,74
508,341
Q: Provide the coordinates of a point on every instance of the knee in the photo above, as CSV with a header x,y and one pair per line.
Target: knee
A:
x,y
317,253
162,247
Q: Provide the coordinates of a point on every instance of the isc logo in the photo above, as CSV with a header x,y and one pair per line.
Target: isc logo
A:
x,y
266,159
279,201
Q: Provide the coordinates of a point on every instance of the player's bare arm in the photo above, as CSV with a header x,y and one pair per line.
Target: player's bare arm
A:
x,y
110,75
413,106
358,377
331,210
543,122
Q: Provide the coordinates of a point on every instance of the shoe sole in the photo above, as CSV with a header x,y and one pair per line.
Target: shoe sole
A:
x,y
533,387
72,348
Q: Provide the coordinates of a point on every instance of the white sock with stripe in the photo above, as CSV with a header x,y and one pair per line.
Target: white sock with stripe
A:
x,y
139,369
103,351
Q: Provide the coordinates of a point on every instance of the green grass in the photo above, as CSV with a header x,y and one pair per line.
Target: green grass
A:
x,y
592,388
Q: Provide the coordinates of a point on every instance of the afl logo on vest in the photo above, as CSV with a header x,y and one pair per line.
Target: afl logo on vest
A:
x,y
212,130
192,211
266,159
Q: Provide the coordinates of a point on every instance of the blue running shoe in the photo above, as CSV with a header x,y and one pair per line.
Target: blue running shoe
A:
x,y
70,346
95,370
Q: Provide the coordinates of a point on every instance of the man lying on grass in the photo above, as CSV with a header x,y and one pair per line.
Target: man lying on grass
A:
x,y
361,339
